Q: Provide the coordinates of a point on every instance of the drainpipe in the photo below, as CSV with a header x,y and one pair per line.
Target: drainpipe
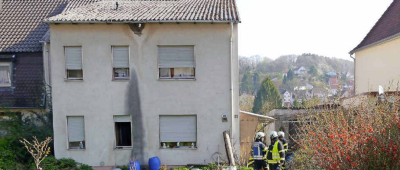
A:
x,y
354,73
231,63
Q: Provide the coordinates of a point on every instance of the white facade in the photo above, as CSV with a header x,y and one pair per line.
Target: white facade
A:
x,y
98,98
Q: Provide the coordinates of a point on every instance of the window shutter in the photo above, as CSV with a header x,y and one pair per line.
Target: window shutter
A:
x,y
176,56
121,57
178,128
76,129
73,57
122,118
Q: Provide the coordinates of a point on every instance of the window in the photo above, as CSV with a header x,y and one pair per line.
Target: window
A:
x,y
123,132
176,62
174,129
120,62
5,74
76,132
73,58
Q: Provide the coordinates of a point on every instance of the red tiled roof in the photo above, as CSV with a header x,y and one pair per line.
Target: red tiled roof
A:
x,y
21,26
152,11
333,81
387,26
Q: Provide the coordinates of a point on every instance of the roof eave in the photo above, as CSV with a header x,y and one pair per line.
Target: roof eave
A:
x,y
131,22
375,43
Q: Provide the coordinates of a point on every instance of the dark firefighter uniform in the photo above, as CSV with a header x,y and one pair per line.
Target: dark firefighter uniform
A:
x,y
285,147
275,154
258,153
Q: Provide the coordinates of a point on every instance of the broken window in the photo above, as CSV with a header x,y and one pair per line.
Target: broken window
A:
x,y
5,74
178,131
76,132
176,62
73,61
123,132
120,62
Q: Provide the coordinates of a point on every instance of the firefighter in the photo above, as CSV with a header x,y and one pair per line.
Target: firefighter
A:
x,y
281,137
275,152
258,152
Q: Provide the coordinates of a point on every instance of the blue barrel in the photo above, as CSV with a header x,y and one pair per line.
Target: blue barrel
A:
x,y
134,165
154,163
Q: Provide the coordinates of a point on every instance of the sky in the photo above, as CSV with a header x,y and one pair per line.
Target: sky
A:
x,y
271,28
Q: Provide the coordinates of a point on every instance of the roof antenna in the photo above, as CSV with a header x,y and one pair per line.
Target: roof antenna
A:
x,y
116,3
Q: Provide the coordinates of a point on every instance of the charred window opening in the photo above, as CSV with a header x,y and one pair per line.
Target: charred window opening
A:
x,y
123,132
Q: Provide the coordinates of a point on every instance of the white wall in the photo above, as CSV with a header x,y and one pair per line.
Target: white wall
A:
x,y
98,98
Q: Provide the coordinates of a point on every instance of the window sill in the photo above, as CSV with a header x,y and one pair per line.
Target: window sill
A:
x,y
76,149
123,148
160,79
73,80
123,80
184,148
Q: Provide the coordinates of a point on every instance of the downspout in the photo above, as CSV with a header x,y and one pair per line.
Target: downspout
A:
x,y
354,72
231,63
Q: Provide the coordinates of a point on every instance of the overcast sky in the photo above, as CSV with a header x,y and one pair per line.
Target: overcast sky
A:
x,y
331,28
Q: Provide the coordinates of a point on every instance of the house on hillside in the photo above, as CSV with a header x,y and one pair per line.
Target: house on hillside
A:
x,y
377,56
22,33
334,86
320,93
132,80
287,100
303,86
349,84
300,70
331,74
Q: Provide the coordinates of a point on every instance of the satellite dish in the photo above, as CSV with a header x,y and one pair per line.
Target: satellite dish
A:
x,y
380,90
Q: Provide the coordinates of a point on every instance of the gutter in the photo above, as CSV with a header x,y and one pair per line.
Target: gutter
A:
x,y
137,22
376,43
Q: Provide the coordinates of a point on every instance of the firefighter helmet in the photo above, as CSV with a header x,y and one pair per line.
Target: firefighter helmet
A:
x,y
260,135
273,134
280,133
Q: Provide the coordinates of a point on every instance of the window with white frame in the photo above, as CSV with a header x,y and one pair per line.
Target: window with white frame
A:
x,y
176,62
120,62
178,131
123,131
76,132
5,74
73,58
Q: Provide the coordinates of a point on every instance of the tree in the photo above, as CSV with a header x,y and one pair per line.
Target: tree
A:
x,y
290,75
284,80
256,81
267,94
296,103
246,86
313,71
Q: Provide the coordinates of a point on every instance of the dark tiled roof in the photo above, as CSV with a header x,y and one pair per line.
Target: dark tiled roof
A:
x,y
152,11
21,26
388,25
27,82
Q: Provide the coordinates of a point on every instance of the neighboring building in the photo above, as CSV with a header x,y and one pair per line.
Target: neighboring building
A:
x,y
347,93
303,86
349,84
331,74
377,56
334,86
21,53
320,93
300,71
284,72
286,98
128,78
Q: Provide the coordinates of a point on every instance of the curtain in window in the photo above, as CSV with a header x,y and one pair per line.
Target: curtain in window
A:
x,y
176,56
5,75
121,57
178,128
76,129
73,57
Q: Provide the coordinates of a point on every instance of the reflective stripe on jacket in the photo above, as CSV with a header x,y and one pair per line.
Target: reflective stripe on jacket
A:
x,y
277,155
258,150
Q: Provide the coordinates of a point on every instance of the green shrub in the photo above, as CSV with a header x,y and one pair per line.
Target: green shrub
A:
x,y
87,167
63,164
123,167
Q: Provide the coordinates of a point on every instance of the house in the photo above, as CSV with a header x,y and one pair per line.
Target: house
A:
x,y
286,98
320,93
377,55
331,74
347,93
303,86
132,80
22,86
284,72
349,84
300,71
